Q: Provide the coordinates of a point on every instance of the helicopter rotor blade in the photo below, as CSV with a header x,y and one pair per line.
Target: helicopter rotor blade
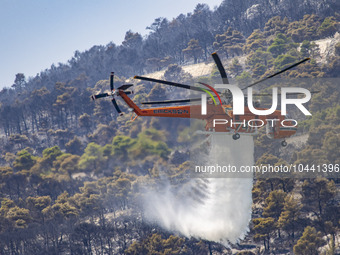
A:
x,y
173,101
99,96
199,99
116,106
290,94
184,86
282,71
220,68
111,81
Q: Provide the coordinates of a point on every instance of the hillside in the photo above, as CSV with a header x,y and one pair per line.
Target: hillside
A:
x,y
326,47
75,176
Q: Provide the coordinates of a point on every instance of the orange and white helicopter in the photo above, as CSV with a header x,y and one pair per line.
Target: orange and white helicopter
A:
x,y
219,116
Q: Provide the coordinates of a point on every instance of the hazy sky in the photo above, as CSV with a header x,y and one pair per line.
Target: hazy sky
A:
x,y
34,34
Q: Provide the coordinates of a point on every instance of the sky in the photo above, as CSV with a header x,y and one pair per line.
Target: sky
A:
x,y
34,34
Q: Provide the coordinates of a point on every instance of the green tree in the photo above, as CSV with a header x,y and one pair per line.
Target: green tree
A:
x,y
6,174
19,82
230,43
274,204
235,67
245,253
44,165
24,160
121,146
155,244
67,164
121,189
63,207
201,27
92,159
331,143
309,243
20,217
9,158
334,67
150,142
50,154
283,61
255,41
259,56
263,227
132,40
103,112
258,70
74,146
85,122
317,194
37,205
193,50
304,29
21,140
281,45
276,25
328,27
103,134
290,216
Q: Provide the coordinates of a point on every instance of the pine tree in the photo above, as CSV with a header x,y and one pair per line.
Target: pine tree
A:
x,y
193,50
309,243
289,217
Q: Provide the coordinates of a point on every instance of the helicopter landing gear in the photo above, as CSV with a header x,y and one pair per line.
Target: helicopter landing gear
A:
x,y
283,143
236,136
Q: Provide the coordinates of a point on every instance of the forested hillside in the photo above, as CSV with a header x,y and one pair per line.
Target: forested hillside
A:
x,y
73,172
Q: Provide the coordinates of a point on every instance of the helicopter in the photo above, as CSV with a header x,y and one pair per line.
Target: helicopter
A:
x,y
218,115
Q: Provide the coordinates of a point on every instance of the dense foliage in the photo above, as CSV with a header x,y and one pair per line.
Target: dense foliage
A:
x,y
73,173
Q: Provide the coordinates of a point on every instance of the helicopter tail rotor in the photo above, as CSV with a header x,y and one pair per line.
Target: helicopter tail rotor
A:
x,y
113,93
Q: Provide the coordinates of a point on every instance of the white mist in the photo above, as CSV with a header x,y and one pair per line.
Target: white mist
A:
x,y
214,209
